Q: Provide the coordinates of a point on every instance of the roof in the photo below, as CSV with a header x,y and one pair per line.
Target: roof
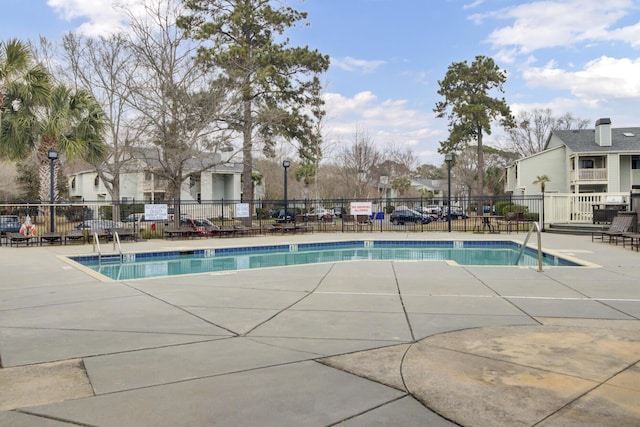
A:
x,y
584,140
204,161
435,184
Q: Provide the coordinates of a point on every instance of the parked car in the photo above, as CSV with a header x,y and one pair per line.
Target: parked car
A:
x,y
339,211
433,210
202,225
320,213
103,227
134,217
456,213
291,214
402,216
171,215
9,224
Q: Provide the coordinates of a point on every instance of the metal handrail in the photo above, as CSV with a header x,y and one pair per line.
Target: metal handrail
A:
x,y
116,238
96,243
535,226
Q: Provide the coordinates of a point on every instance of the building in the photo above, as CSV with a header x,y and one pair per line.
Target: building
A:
x,y
600,160
437,187
210,177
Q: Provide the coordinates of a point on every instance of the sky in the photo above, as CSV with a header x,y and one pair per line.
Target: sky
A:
x,y
572,56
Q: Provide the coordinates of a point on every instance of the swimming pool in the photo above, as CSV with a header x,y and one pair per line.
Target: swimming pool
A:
x,y
170,263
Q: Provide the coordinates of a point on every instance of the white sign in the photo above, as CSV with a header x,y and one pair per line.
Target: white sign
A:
x,y
155,212
360,208
242,210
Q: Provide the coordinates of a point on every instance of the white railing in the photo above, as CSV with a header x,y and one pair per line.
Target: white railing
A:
x,y
589,175
574,208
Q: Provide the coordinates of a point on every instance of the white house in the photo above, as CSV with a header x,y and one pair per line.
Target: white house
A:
x,y
600,160
437,187
211,179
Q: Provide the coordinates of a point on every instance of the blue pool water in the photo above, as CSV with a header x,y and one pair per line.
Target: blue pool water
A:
x,y
156,264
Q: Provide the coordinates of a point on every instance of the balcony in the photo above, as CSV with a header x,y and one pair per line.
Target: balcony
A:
x,y
588,175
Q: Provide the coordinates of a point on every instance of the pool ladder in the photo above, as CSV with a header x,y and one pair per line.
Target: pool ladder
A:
x,y
116,239
536,227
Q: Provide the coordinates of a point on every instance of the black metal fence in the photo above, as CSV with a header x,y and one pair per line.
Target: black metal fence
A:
x,y
75,215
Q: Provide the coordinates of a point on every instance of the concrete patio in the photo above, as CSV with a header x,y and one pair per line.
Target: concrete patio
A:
x,y
351,344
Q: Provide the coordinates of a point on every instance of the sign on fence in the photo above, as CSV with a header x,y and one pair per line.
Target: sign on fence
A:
x,y
361,208
242,210
155,212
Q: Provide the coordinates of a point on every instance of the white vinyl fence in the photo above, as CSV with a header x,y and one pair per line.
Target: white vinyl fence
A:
x,y
577,208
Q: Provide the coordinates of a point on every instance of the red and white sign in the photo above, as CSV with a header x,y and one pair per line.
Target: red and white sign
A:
x,y
360,208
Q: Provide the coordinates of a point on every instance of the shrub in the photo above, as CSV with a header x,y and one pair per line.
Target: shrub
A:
x,y
262,213
504,206
105,212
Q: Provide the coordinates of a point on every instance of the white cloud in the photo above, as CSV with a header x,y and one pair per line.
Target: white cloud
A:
x,y
102,17
385,121
473,5
602,79
356,65
544,24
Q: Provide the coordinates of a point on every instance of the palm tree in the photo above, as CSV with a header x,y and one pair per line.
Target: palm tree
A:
x,y
24,86
401,185
541,179
73,123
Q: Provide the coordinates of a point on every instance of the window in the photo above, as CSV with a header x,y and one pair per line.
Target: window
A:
x,y
586,164
73,183
635,162
96,181
148,175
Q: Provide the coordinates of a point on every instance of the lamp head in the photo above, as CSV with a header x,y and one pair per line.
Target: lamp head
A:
x,y
448,157
52,154
286,163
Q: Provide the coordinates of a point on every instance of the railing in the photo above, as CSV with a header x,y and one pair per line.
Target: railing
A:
x,y
96,244
588,175
534,226
116,238
575,208
85,214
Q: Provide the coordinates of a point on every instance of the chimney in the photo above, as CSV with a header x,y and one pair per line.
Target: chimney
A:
x,y
603,132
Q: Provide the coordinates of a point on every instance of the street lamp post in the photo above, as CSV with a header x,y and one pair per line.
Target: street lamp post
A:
x,y
542,216
448,158
52,155
285,164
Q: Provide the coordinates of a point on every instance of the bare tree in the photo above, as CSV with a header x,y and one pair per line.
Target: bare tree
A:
x,y
533,129
177,102
359,162
398,161
105,66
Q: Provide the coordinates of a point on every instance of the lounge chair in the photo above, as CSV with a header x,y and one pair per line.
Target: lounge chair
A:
x,y
619,225
18,238
175,232
633,237
51,238
364,222
268,229
74,235
328,224
243,230
348,222
124,234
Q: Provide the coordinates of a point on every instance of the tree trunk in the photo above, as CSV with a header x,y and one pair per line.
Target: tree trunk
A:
x,y
173,190
480,164
44,174
247,157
